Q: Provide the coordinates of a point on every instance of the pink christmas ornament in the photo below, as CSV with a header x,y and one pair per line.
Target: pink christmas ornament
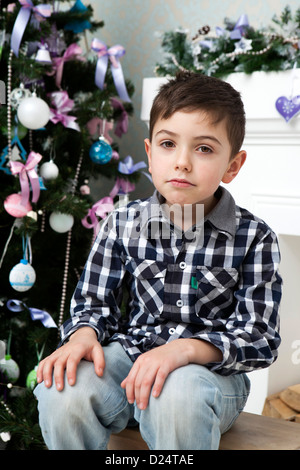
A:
x,y
13,206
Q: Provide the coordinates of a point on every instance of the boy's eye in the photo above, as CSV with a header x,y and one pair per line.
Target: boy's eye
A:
x,y
204,149
167,144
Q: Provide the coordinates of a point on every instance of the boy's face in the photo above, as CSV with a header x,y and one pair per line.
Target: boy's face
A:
x,y
188,158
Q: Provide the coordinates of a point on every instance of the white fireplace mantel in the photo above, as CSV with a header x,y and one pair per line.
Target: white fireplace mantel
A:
x,y
268,185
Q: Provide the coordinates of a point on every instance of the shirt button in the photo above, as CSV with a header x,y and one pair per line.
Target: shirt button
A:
x,y
182,265
172,331
179,303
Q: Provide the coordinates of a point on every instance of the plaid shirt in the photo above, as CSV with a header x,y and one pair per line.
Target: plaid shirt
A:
x,y
224,289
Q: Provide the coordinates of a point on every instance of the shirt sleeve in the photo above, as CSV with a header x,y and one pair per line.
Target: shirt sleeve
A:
x,y
97,297
250,337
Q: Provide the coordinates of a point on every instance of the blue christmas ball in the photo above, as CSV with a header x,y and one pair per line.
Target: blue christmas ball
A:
x,y
100,152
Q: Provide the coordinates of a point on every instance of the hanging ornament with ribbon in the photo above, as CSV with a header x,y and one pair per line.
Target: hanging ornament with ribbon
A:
x,y
101,152
22,276
289,106
113,54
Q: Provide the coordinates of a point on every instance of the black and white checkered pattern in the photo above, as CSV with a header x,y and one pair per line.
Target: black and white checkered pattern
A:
x,y
224,289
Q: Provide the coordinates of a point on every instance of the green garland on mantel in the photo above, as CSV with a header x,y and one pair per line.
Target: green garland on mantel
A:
x,y
237,47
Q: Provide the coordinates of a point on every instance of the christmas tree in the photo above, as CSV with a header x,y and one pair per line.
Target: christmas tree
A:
x,y
62,102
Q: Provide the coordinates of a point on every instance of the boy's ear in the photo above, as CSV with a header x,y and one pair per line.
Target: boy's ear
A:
x,y
148,152
234,166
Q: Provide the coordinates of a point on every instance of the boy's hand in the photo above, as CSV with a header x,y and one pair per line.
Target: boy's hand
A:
x,y
153,367
83,344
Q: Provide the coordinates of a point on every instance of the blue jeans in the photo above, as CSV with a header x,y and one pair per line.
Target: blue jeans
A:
x,y
195,407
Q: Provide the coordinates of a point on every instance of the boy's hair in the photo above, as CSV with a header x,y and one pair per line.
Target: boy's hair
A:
x,y
190,91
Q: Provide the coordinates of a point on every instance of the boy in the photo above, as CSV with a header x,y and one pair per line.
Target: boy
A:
x,y
204,292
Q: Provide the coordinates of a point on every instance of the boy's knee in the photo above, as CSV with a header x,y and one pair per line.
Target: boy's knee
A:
x,y
69,397
186,390
55,402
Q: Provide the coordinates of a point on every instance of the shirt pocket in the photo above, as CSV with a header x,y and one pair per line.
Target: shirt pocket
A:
x,y
216,287
147,283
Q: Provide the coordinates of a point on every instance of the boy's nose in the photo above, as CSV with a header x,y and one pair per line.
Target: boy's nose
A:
x,y
183,161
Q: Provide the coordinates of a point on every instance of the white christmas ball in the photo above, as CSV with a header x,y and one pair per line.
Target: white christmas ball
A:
x,y
33,112
49,171
61,223
22,276
10,368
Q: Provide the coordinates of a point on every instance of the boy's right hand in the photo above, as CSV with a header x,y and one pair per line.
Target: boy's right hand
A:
x,y
83,344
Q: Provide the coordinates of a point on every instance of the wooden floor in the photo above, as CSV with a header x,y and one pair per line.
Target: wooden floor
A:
x,y
250,432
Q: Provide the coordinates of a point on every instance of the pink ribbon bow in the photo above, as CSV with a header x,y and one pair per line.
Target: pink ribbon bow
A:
x,y
123,186
62,105
101,209
27,172
73,52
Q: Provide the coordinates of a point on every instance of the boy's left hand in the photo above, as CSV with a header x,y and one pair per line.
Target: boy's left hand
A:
x,y
153,367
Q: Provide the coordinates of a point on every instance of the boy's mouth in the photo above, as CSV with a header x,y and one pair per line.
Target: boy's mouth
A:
x,y
180,182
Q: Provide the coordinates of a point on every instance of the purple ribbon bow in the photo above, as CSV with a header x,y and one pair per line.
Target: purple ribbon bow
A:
x,y
41,11
127,167
36,314
62,105
113,53
238,30
101,208
27,172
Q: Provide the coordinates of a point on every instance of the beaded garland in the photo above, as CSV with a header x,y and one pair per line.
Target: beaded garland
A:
x,y
68,250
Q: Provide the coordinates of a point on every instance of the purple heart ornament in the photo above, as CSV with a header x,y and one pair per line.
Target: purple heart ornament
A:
x,y
288,108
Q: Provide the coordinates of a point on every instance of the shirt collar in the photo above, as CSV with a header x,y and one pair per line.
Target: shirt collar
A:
x,y
222,217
